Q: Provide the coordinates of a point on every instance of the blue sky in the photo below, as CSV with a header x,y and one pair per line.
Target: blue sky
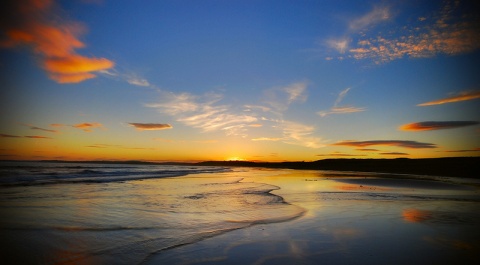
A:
x,y
254,80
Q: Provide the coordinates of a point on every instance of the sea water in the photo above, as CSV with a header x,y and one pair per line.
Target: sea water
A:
x,y
78,213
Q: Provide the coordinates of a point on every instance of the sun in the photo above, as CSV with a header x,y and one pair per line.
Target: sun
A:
x,y
235,158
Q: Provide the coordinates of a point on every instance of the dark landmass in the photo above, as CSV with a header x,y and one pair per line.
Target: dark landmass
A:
x,y
468,167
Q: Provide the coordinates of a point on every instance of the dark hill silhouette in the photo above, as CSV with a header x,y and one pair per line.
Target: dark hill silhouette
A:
x,y
468,167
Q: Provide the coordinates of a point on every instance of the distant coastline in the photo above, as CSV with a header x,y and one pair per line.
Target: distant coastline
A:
x,y
468,167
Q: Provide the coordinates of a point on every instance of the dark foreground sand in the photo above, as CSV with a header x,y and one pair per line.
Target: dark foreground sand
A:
x,y
352,219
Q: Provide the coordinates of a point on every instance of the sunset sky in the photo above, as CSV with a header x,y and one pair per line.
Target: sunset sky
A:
x,y
254,80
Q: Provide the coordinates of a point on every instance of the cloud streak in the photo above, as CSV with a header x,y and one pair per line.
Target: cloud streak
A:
x,y
395,153
462,96
436,125
27,136
151,126
40,129
340,109
38,25
88,127
397,143
377,15
203,112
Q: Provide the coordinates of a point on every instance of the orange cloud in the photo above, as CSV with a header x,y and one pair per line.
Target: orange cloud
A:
x,y
87,126
462,96
151,126
452,30
398,143
30,22
436,125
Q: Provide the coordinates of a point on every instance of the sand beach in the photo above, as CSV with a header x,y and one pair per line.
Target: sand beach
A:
x,y
239,216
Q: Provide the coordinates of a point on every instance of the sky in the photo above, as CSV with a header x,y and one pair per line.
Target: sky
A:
x,y
179,80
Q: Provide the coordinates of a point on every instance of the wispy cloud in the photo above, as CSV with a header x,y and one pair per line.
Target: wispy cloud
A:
x,y
376,15
37,137
436,125
9,136
367,149
138,81
462,96
300,134
88,127
397,143
340,109
39,25
296,92
279,99
340,45
395,154
27,136
203,112
40,129
271,139
464,150
151,126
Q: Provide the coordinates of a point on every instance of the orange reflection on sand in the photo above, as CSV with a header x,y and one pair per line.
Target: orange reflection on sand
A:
x,y
353,187
416,215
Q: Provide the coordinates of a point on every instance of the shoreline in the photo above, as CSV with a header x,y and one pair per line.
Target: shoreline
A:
x,y
350,222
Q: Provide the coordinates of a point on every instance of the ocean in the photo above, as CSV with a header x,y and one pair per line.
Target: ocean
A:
x,y
80,213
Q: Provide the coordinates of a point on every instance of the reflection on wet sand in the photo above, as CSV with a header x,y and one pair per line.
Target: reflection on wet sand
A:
x,y
416,215
350,223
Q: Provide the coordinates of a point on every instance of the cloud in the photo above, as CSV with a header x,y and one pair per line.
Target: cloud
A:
x,y
436,125
40,26
340,45
395,153
137,81
37,137
452,32
87,127
340,110
300,134
296,92
272,139
57,125
41,129
367,149
279,99
377,15
9,136
462,96
398,143
28,136
151,126
203,112
464,150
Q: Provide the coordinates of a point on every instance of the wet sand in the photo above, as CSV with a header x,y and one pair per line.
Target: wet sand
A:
x,y
364,219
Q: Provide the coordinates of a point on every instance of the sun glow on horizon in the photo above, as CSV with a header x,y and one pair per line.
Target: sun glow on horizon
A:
x,y
235,158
